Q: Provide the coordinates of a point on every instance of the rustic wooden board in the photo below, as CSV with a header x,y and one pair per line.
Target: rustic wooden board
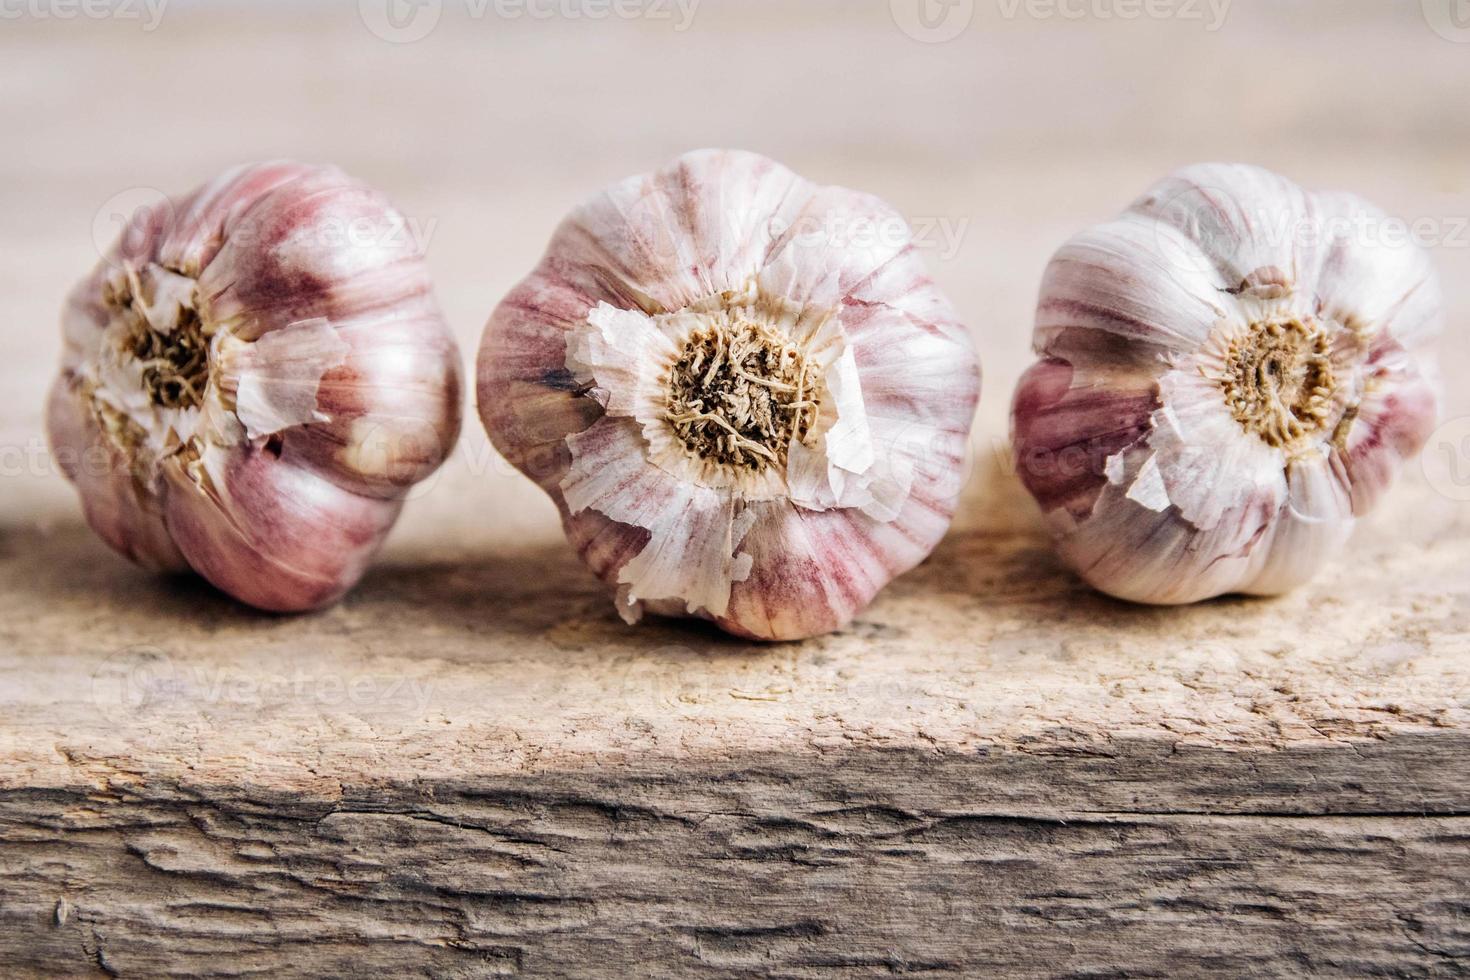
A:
x,y
472,767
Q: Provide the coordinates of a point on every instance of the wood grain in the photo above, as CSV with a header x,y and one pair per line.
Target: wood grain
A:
x,y
471,767
759,865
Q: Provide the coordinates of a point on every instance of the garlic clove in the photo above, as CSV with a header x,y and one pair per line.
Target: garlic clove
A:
x,y
1241,218
814,571
1396,417
383,427
317,247
1134,279
1313,525
832,245
84,320
611,476
665,240
1204,470
276,379
117,506
210,216
275,536
1135,552
1372,279
1228,377
734,383
1068,422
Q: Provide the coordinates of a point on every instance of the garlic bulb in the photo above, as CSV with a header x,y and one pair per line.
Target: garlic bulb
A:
x,y
742,391
251,381
1230,374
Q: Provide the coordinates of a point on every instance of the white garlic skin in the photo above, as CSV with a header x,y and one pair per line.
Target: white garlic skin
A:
x,y
1231,373
331,385
575,366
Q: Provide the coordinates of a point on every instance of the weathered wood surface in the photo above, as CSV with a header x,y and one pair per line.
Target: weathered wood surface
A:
x,y
471,767
785,870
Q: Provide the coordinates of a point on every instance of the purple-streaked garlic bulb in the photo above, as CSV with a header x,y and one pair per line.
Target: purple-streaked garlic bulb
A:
x,y
746,397
252,380
1230,374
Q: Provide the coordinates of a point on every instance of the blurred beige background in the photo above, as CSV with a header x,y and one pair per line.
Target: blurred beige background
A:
x,y
1001,125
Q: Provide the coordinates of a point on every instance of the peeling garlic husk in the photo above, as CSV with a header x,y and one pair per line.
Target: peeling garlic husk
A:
x,y
252,380
1231,373
744,394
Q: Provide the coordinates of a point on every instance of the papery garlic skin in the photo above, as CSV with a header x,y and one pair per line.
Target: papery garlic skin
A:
x,y
252,379
744,394
1231,373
